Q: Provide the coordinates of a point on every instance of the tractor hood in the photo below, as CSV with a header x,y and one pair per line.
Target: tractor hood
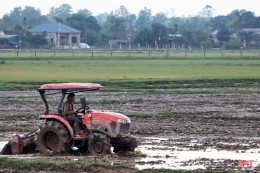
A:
x,y
111,115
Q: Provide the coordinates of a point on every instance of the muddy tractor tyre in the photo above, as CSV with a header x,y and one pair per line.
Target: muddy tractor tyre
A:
x,y
99,144
53,138
124,144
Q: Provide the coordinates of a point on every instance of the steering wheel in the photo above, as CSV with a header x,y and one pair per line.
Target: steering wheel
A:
x,y
79,109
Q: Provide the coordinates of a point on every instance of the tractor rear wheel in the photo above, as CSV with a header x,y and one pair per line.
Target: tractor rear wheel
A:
x,y
53,138
99,144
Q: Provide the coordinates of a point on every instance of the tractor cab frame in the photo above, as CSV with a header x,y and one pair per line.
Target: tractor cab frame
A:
x,y
64,89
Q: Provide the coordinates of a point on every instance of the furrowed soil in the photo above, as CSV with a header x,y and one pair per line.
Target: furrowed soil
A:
x,y
192,129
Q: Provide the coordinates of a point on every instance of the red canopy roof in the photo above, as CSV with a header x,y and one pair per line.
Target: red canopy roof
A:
x,y
74,86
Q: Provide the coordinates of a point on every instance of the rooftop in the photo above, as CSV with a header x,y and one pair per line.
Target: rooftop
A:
x,y
7,36
251,30
53,27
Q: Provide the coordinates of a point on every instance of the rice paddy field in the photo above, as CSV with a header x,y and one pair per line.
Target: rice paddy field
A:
x,y
192,111
44,67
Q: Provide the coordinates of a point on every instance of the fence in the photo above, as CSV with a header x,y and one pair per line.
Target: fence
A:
x,y
131,53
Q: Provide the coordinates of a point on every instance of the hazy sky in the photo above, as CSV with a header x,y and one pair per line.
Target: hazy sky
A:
x,y
180,7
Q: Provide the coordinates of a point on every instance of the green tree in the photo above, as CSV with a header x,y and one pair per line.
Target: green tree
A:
x,y
34,41
8,23
144,37
233,44
143,20
257,23
115,27
93,38
27,17
207,11
63,11
88,26
101,18
83,23
159,33
160,18
85,12
121,12
248,36
224,35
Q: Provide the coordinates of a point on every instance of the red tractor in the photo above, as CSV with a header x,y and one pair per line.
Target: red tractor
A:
x,y
99,131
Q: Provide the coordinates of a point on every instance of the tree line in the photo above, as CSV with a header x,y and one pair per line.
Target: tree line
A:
x,y
144,28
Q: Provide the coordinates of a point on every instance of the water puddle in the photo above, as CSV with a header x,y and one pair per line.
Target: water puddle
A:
x,y
2,144
161,154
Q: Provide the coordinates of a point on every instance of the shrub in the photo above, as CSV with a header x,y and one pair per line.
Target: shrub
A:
x,y
233,44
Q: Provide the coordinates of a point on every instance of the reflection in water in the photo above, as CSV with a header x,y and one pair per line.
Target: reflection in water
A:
x,y
2,144
161,155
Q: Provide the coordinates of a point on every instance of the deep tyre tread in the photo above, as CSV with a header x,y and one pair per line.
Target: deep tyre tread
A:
x,y
101,138
63,144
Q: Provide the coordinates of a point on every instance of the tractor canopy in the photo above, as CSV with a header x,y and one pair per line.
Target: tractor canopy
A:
x,y
71,86
63,89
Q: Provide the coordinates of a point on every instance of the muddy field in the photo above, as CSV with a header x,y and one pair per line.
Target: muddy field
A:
x,y
198,129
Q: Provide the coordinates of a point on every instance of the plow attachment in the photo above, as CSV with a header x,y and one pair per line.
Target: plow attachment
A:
x,y
20,145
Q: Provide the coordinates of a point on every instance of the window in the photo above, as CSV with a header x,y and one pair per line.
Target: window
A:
x,y
74,39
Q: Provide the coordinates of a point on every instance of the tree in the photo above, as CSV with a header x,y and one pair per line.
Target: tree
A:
x,y
25,18
233,44
207,11
257,23
34,41
144,37
130,22
241,19
116,28
247,19
101,18
93,38
63,11
85,12
121,12
248,36
160,18
18,28
159,33
143,19
195,38
223,35
83,23
8,23
88,26
205,44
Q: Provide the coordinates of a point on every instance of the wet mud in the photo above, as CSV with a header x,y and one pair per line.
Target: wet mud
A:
x,y
192,140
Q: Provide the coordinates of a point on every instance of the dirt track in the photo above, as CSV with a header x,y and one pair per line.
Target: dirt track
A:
x,y
194,131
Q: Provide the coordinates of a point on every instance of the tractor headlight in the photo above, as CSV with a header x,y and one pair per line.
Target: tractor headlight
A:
x,y
123,121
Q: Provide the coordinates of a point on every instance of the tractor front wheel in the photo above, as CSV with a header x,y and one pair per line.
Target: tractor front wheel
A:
x,y
99,144
53,138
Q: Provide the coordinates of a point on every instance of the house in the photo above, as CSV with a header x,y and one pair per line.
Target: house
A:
x,y
250,30
174,39
251,37
214,37
8,41
58,34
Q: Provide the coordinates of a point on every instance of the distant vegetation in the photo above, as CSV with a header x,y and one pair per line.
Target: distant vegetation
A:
x,y
136,72
144,29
